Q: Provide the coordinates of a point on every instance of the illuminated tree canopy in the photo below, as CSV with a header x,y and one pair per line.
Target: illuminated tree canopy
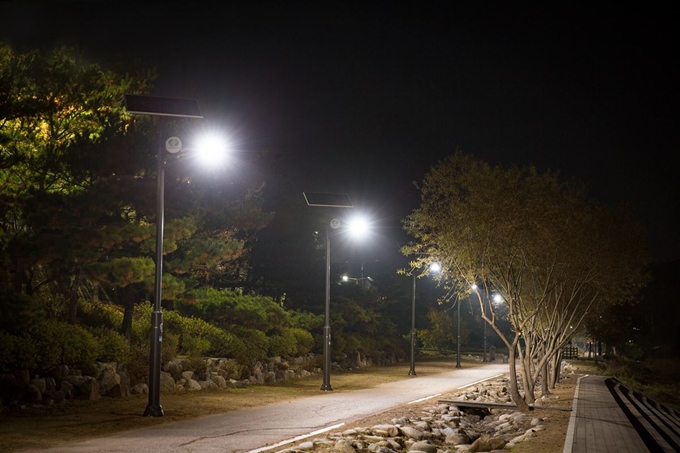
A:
x,y
549,251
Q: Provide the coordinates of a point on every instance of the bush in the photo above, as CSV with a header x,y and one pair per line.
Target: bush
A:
x,y
256,343
113,347
100,315
282,345
16,352
304,340
58,343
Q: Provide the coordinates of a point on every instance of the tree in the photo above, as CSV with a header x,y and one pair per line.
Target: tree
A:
x,y
549,251
61,118
78,179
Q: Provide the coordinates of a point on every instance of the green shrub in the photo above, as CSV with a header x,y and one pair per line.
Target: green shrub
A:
x,y
304,340
282,345
98,314
113,346
141,325
256,343
58,343
16,352
138,365
194,363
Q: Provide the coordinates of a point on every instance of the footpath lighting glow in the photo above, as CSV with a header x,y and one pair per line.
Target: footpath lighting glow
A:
x,y
435,268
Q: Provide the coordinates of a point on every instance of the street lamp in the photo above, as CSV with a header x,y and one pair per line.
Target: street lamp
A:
x,y
458,337
434,268
474,287
162,107
357,227
497,298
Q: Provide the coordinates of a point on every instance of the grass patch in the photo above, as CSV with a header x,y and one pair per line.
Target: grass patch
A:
x,y
656,378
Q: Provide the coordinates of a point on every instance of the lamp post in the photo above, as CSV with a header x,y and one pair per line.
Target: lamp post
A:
x,y
163,107
474,287
458,338
331,200
435,268
497,298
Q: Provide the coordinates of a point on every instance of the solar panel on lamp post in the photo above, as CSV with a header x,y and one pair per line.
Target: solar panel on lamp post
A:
x,y
163,107
328,200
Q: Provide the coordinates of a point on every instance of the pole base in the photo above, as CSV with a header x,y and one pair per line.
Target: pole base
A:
x,y
153,411
326,388
412,373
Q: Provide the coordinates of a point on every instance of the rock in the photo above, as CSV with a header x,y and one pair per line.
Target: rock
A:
x,y
107,377
167,383
33,393
423,446
192,385
385,430
270,377
139,389
39,384
487,443
411,432
343,446
458,439
208,385
86,387
175,369
220,381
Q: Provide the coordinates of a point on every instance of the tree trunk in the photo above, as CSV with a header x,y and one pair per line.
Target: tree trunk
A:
x,y
527,365
129,304
545,377
73,301
556,366
514,390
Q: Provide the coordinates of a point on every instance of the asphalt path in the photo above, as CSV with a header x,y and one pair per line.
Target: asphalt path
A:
x,y
253,430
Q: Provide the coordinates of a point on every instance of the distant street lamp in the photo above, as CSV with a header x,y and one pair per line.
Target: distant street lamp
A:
x,y
458,337
497,298
434,268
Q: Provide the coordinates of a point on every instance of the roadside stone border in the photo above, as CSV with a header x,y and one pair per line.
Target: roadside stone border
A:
x,y
440,428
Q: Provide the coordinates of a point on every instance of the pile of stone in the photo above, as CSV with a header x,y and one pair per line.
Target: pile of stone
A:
x,y
113,379
440,428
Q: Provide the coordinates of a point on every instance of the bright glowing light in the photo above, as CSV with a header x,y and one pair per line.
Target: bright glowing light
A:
x,y
435,268
345,278
474,287
211,149
358,226
497,298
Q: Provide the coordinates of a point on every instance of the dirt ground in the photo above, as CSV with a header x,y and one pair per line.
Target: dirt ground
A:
x,y
38,426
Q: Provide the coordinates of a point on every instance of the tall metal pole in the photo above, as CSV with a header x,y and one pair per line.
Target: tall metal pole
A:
x,y
412,371
153,408
484,358
326,386
458,340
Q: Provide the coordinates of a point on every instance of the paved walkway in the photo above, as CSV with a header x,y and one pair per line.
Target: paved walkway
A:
x,y
610,417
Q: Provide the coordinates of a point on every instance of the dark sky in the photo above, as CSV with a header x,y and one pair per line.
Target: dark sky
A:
x,y
362,97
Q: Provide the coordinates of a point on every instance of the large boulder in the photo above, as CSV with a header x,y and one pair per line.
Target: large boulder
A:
x,y
84,387
167,384
487,443
107,377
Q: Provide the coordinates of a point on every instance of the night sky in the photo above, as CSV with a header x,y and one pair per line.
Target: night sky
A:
x,y
363,97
